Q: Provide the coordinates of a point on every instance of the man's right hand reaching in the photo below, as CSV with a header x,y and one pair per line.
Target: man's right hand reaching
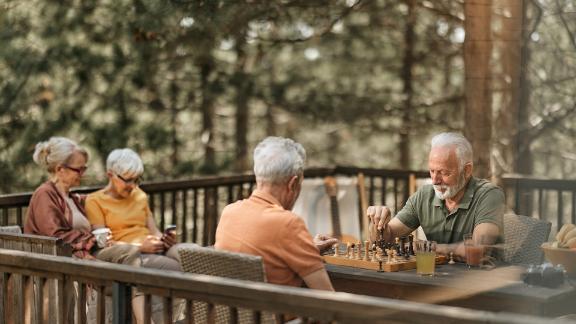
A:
x,y
379,217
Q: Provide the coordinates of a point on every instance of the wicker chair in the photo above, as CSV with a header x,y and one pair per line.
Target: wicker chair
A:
x,y
208,261
523,236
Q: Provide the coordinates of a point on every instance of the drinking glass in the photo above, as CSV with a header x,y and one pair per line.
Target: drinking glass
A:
x,y
474,251
425,257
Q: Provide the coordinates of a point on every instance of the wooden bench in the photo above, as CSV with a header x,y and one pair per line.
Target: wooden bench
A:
x,y
11,238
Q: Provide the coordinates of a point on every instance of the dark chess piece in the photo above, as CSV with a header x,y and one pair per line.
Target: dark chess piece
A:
x,y
411,245
382,244
397,246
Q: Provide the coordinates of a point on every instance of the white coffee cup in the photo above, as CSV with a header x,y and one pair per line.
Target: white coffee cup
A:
x,y
101,235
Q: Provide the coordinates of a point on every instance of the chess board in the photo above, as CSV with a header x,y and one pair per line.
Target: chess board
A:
x,y
393,266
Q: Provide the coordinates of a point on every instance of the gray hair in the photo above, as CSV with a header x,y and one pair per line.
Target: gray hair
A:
x,y
124,162
278,158
461,144
56,151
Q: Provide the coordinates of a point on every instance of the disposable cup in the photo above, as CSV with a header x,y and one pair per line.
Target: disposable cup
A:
x,y
101,235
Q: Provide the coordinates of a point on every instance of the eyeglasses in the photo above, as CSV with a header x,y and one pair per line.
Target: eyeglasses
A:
x,y
135,181
79,170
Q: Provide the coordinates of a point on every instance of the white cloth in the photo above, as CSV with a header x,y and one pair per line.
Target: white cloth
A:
x,y
313,205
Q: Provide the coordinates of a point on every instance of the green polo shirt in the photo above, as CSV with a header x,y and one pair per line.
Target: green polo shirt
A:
x,y
482,202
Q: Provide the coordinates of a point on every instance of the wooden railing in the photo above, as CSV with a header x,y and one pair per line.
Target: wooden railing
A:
x,y
553,200
319,306
195,205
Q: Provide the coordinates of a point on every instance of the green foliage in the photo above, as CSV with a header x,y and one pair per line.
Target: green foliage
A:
x,y
150,74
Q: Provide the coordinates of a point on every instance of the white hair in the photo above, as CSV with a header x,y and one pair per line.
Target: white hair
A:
x,y
276,159
459,142
55,151
124,162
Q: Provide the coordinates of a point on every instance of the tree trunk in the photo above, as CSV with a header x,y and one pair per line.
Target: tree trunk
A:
x,y
478,91
175,143
524,162
244,88
407,80
270,120
509,45
207,109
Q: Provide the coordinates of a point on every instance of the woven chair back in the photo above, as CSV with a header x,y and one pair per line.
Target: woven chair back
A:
x,y
208,261
523,236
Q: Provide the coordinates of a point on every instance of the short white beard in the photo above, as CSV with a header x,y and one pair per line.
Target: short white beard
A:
x,y
450,191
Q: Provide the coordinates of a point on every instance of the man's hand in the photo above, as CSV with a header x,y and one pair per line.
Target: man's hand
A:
x,y
379,217
152,244
324,242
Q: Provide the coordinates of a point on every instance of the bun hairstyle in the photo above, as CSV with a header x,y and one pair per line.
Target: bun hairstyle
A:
x,y
55,151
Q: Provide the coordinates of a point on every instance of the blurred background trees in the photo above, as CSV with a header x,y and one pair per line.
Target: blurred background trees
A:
x,y
193,85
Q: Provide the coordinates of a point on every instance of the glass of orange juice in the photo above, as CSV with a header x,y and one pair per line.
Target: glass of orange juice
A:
x,y
425,257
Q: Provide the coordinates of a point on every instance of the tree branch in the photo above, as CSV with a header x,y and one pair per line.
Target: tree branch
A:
x,y
323,31
563,20
548,122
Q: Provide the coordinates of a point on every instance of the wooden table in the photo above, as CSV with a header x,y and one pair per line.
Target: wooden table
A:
x,y
499,289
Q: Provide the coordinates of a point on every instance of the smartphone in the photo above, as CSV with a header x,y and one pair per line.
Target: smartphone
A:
x,y
169,228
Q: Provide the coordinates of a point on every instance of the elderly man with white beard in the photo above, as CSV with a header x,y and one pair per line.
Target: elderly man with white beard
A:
x,y
456,203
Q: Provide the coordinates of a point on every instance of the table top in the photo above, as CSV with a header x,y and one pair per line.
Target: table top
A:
x,y
503,279
499,286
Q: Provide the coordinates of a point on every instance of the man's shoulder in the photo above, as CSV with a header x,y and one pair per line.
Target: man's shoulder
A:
x,y
425,192
483,185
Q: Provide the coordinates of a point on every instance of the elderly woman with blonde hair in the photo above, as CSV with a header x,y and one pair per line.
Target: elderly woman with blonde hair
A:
x,y
53,209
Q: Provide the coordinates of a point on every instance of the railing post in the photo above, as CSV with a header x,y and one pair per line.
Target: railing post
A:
x,y
121,296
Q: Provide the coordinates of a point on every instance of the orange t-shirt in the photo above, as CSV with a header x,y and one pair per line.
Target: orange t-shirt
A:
x,y
260,226
126,218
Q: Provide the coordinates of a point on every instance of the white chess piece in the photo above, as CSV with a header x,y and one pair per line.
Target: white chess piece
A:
x,y
451,258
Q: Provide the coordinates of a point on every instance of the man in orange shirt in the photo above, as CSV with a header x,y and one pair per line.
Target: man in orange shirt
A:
x,y
264,225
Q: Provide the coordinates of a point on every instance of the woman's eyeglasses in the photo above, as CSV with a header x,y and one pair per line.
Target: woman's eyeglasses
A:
x,y
135,181
79,170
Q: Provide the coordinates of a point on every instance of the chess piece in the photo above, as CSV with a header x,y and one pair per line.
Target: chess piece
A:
x,y
397,246
348,250
394,256
402,246
379,254
411,244
335,246
451,258
390,253
366,250
374,255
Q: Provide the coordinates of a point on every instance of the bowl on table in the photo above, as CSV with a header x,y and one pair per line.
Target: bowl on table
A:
x,y
563,256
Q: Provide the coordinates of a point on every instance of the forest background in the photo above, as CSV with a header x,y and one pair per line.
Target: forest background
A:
x,y
193,85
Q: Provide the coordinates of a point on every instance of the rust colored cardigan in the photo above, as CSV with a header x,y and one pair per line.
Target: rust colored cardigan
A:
x,y
49,215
